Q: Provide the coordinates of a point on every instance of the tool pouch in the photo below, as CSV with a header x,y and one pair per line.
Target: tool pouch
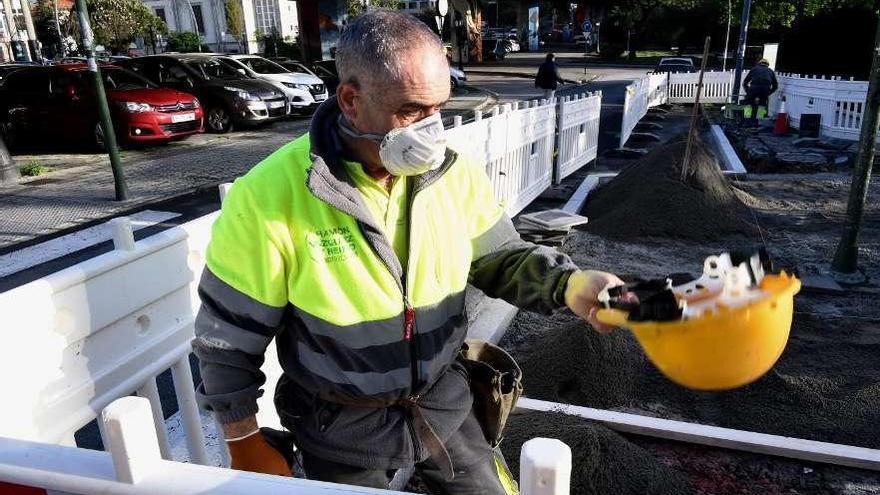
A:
x,y
496,383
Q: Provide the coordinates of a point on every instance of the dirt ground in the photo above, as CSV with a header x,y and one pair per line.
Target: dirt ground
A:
x,y
826,385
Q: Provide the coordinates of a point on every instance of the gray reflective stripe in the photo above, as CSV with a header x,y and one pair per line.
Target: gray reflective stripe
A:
x,y
368,383
387,331
239,303
501,235
221,334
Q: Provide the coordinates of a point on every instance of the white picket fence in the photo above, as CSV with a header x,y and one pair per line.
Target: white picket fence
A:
x,y
717,87
105,328
641,94
839,102
577,133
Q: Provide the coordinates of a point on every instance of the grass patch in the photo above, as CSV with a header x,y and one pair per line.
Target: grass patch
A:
x,y
33,168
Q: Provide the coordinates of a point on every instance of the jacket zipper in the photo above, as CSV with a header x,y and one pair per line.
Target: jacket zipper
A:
x,y
409,319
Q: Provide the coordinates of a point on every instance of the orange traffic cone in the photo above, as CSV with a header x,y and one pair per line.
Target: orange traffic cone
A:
x,y
780,127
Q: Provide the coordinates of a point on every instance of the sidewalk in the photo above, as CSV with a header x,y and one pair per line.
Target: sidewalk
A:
x,y
80,188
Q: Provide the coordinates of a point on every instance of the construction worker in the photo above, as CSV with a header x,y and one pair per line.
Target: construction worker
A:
x,y
759,84
548,77
351,247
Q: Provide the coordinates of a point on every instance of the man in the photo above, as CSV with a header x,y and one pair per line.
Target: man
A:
x,y
759,84
351,247
548,77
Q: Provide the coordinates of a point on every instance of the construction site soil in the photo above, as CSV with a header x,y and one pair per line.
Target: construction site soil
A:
x,y
826,385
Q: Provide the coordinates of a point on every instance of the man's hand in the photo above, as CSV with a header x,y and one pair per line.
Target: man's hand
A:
x,y
582,295
249,451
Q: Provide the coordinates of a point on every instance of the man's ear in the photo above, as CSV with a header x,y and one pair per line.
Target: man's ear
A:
x,y
345,96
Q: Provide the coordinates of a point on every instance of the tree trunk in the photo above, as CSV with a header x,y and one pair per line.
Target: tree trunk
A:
x,y
470,11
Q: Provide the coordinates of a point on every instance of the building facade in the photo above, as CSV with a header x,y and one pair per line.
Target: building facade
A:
x,y
208,18
18,40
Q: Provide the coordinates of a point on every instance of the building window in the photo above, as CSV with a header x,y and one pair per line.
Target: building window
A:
x,y
200,22
160,13
267,16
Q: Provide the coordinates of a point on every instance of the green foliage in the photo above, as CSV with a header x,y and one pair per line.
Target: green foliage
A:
x,y
183,41
32,169
47,31
356,7
116,23
235,19
276,46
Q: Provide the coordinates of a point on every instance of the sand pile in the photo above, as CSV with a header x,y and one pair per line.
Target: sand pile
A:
x,y
648,198
603,462
575,365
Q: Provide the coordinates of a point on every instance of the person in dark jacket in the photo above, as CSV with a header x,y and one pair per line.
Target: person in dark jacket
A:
x,y
548,77
759,84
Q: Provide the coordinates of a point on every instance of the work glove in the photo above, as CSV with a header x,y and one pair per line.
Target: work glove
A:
x,y
582,295
252,453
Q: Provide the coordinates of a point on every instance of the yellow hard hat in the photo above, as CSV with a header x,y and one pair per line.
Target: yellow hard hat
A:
x,y
734,332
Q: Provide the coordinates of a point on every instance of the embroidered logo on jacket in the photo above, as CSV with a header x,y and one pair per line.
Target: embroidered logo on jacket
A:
x,y
331,245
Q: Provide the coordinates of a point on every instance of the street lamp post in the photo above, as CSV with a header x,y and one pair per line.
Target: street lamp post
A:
x,y
726,38
741,50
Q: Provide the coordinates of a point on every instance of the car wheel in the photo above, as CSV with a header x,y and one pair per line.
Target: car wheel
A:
x,y
218,120
453,84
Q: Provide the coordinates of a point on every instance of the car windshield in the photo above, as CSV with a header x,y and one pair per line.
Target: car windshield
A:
x,y
122,80
211,69
263,66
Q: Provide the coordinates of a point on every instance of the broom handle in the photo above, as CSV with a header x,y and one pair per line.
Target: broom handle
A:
x,y
695,113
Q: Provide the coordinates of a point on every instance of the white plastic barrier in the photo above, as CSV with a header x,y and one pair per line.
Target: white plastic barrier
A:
x,y
635,106
577,136
716,87
102,329
658,89
839,102
516,142
134,466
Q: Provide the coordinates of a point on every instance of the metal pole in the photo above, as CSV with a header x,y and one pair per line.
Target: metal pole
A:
x,y
8,170
845,265
726,38
695,114
741,50
103,110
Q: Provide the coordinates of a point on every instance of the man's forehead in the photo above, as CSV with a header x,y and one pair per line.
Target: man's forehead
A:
x,y
424,81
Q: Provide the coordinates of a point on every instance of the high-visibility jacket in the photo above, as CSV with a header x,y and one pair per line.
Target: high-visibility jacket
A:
x,y
296,255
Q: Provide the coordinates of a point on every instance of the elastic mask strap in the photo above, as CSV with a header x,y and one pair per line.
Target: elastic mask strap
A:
x,y
350,131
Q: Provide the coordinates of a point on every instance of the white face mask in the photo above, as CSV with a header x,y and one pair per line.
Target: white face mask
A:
x,y
411,150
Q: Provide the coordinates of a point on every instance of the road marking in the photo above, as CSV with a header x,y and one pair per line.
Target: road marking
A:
x,y
31,256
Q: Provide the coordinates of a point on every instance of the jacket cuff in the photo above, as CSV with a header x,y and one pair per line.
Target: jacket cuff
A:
x,y
557,290
237,414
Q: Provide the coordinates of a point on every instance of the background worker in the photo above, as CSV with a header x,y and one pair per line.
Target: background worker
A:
x,y
759,84
351,247
548,77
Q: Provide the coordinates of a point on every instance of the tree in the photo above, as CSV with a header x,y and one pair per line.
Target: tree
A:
x,y
472,13
355,8
235,20
48,30
116,23
183,41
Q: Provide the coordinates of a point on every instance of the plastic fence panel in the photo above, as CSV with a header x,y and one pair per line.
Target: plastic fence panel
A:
x,y
577,137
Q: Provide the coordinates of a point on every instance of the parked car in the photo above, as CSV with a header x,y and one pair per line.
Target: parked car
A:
x,y
326,70
456,77
229,97
6,69
675,64
58,102
304,90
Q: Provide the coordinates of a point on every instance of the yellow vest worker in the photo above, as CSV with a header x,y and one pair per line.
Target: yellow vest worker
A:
x,y
351,247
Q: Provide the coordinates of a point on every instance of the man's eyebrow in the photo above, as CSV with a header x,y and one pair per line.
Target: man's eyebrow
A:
x,y
413,105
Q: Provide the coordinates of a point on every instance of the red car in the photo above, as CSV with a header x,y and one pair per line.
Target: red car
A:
x,y
58,102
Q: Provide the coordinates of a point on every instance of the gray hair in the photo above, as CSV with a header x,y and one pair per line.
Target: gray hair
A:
x,y
370,47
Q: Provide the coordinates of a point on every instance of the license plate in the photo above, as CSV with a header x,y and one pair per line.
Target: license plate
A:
x,y
320,98
276,104
183,117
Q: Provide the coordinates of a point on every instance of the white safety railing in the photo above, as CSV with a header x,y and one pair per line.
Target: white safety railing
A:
x,y
658,89
102,329
516,142
839,102
716,87
577,135
635,106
